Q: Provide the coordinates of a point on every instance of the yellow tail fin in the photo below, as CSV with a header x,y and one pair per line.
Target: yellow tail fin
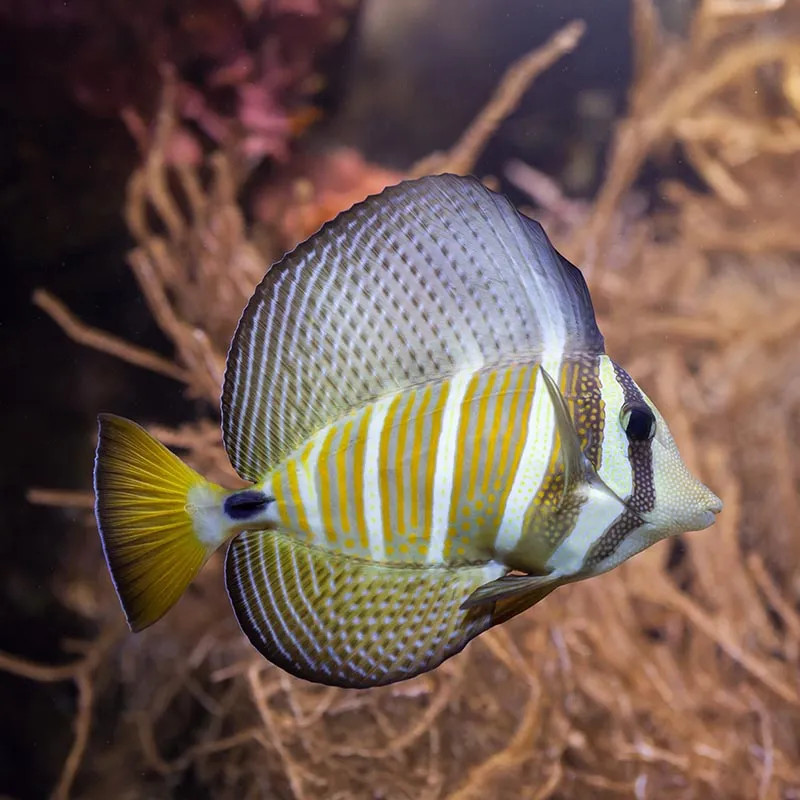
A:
x,y
159,520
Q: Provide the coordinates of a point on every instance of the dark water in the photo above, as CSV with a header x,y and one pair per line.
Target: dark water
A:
x,y
400,91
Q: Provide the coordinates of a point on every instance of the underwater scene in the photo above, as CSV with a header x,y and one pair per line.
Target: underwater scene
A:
x,y
402,399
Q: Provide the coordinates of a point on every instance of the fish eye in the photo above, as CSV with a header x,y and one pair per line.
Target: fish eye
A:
x,y
638,422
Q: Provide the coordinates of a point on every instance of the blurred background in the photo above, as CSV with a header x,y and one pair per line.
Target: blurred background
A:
x,y
156,157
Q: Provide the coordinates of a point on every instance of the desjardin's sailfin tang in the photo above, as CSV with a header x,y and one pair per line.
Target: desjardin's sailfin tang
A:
x,y
428,278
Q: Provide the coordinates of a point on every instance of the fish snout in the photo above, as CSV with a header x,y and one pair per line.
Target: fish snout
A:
x,y
714,503
708,505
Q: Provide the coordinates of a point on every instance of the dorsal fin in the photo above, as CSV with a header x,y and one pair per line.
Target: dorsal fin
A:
x,y
421,281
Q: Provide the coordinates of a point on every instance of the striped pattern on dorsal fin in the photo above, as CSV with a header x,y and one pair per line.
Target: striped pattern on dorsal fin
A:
x,y
344,621
428,278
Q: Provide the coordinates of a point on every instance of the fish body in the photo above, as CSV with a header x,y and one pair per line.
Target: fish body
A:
x,y
456,471
435,438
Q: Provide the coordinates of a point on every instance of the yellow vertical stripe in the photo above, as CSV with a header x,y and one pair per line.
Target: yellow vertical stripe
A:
x,y
519,439
433,450
477,436
463,452
341,476
359,465
280,498
510,430
575,374
297,500
383,469
494,432
305,461
416,448
399,459
325,493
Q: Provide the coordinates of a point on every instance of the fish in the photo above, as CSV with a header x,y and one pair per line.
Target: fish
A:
x,y
433,437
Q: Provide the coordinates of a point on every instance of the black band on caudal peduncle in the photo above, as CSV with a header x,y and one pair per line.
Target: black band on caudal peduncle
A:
x,y
246,504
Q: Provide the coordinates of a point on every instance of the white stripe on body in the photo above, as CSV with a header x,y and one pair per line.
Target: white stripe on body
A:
x,y
372,489
445,465
535,458
600,510
615,468
596,515
306,483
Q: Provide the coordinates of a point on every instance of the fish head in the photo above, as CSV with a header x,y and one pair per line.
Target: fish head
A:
x,y
659,488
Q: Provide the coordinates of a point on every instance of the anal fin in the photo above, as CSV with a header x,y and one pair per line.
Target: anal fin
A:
x,y
344,621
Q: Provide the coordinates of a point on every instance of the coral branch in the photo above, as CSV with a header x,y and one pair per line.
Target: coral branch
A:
x,y
80,672
106,342
60,498
461,158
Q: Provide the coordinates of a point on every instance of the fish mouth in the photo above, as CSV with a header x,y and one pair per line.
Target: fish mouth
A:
x,y
715,506
706,519
699,520
708,516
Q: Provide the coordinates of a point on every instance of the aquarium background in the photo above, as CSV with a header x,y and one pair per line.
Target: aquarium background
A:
x,y
156,157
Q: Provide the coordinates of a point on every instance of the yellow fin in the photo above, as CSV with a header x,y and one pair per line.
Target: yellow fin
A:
x,y
159,520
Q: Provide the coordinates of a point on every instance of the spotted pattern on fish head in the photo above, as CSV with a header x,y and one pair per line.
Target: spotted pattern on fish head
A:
x,y
665,498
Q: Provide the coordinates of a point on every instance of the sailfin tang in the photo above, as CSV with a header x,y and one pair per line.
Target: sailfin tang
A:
x,y
343,621
156,518
428,278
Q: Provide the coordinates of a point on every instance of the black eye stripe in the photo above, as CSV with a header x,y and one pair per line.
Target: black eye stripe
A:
x,y
642,497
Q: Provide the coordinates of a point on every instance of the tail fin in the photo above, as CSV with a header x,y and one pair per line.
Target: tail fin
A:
x,y
159,520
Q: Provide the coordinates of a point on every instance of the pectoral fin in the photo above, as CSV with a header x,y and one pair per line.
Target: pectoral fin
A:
x,y
510,606
575,462
577,467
